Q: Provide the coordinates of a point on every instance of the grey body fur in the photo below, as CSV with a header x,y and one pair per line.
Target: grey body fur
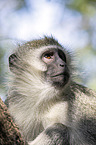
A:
x,y
45,114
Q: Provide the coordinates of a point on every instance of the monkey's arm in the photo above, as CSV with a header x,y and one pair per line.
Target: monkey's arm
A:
x,y
57,134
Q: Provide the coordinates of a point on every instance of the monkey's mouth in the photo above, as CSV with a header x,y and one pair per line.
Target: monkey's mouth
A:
x,y
61,74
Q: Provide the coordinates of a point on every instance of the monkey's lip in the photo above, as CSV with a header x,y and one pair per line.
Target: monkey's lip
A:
x,y
60,74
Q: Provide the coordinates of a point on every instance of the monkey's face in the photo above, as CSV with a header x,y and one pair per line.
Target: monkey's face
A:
x,y
57,71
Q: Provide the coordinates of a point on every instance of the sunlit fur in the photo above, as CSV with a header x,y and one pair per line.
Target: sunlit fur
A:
x,y
35,104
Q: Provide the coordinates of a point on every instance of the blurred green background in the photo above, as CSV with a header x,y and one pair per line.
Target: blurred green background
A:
x,y
71,22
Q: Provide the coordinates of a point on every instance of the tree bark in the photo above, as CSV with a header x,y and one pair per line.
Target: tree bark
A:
x,y
9,132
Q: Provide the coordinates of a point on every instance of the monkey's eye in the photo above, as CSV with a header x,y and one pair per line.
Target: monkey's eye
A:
x,y
48,57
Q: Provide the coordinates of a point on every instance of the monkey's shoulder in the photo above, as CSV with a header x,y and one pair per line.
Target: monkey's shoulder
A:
x,y
82,90
84,100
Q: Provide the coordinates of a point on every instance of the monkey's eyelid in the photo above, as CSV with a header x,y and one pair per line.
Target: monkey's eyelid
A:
x,y
48,54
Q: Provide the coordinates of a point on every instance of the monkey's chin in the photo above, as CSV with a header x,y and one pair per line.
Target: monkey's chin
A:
x,y
60,81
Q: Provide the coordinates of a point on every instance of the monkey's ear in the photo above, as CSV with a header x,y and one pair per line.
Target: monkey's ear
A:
x,y
12,61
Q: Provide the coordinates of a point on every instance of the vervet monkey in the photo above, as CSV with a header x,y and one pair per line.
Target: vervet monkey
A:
x,y
48,107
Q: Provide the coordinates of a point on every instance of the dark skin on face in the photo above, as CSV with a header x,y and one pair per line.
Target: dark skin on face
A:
x,y
57,71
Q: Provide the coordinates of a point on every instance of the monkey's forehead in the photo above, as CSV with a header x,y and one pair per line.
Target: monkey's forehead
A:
x,y
39,46
46,48
37,53
42,42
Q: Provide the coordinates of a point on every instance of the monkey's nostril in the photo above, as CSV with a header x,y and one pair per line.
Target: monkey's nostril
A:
x,y
61,65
